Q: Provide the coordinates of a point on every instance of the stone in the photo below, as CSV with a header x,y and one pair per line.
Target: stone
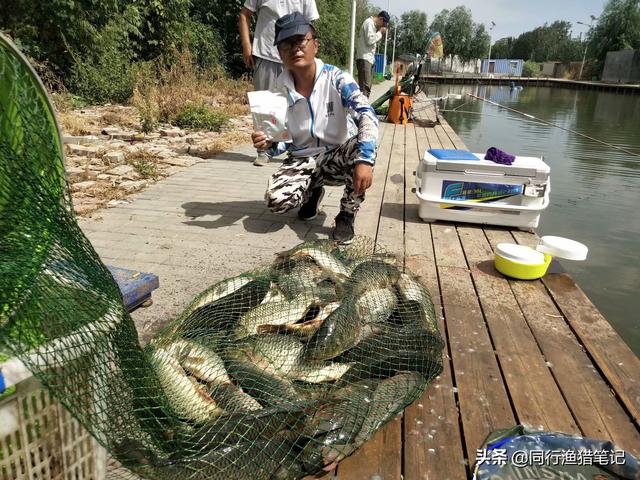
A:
x,y
119,135
74,170
110,131
165,154
178,161
121,170
131,176
86,205
89,152
80,139
131,186
171,132
114,156
81,186
104,176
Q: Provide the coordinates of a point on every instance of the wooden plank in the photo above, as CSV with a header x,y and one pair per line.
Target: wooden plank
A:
x,y
597,411
432,441
367,219
432,137
443,137
382,454
484,404
453,136
619,364
391,226
532,388
379,458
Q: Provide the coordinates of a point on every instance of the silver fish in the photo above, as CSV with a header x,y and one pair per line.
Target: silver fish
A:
x,y
218,291
302,330
282,355
274,313
382,257
273,295
232,398
200,361
391,395
376,305
418,305
325,260
187,398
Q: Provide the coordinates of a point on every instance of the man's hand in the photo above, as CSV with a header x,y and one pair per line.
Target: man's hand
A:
x,y
249,61
261,142
382,30
362,177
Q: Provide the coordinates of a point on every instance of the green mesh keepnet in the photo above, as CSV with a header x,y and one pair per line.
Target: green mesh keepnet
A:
x,y
276,374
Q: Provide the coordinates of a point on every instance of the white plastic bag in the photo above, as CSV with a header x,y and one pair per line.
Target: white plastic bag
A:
x,y
269,111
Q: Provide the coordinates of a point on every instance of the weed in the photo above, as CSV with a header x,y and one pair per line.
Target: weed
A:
x,y
145,163
200,117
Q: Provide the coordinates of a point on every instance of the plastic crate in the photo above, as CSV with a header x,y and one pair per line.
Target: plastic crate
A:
x,y
40,440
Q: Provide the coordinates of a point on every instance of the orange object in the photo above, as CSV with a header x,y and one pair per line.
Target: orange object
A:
x,y
400,104
400,108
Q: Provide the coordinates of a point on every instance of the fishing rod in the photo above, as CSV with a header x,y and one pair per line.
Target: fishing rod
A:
x,y
468,112
554,125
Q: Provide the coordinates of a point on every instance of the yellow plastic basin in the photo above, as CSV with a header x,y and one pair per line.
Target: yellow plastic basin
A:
x,y
518,261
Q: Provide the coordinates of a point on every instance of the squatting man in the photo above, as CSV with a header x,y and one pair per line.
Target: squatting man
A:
x,y
321,98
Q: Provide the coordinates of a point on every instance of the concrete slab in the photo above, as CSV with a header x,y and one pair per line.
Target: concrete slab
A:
x,y
199,226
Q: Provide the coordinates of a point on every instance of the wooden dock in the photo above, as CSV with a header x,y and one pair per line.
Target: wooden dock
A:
x,y
531,352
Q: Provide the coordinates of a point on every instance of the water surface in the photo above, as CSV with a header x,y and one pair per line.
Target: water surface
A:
x,y
595,189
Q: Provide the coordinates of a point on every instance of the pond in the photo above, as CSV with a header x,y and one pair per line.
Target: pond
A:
x,y
595,189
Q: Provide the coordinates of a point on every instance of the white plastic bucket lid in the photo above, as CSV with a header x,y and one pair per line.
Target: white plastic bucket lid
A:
x,y
519,253
562,248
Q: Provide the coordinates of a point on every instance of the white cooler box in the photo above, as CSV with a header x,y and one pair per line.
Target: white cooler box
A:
x,y
482,191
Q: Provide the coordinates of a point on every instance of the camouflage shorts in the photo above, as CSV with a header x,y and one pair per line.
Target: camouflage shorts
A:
x,y
292,184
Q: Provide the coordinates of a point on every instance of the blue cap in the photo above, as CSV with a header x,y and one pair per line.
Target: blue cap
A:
x,y
385,17
291,25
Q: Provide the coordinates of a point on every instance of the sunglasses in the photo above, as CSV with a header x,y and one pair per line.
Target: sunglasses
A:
x,y
295,42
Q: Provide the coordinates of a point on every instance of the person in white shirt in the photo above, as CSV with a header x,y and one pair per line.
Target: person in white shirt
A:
x,y
323,151
370,33
262,55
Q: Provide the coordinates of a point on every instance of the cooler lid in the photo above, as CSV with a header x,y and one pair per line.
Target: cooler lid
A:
x,y
519,253
529,167
562,247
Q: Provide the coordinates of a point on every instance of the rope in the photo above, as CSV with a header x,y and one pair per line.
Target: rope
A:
x,y
554,125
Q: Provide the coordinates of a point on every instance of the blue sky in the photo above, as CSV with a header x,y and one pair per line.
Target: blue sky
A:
x,y
512,17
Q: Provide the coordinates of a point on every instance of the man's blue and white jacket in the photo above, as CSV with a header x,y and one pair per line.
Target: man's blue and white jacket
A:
x,y
321,122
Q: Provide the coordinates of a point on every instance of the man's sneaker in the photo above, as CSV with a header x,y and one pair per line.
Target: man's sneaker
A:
x,y
262,159
343,231
309,209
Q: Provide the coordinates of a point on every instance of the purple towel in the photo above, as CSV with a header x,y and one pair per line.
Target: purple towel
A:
x,y
496,155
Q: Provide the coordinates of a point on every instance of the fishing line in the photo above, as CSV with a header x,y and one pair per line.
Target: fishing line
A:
x,y
554,125
536,122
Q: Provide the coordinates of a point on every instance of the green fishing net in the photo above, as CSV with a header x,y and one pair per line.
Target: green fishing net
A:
x,y
278,373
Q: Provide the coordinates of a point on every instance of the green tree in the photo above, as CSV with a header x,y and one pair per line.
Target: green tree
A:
x,y
459,30
503,48
334,27
412,33
530,69
547,43
439,23
221,16
618,28
479,44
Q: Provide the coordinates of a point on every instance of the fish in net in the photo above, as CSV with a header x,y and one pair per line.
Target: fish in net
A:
x,y
278,373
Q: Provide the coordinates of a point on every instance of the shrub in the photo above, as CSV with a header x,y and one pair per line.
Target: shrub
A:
x,y
199,116
106,74
531,69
